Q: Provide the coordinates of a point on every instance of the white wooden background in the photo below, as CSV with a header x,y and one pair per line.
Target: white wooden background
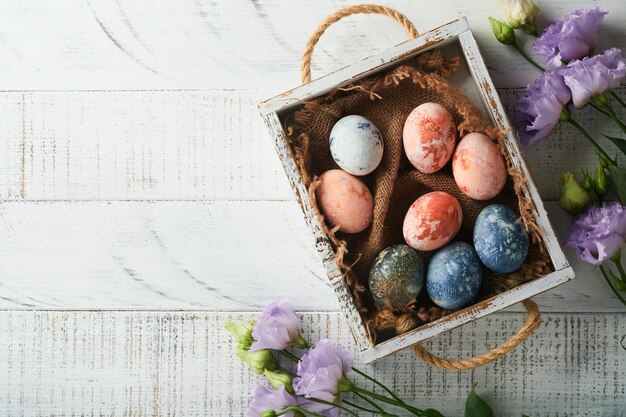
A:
x,y
136,174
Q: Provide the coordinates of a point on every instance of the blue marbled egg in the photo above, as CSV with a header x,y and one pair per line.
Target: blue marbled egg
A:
x,y
500,241
356,145
396,276
454,276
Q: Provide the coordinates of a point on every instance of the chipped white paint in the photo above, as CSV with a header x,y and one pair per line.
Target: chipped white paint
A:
x,y
473,79
140,364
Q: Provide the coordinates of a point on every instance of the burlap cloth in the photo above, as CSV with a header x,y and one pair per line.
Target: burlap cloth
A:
x,y
387,99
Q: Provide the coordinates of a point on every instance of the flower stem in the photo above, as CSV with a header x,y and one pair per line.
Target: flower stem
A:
x,y
609,112
359,407
591,140
618,98
526,57
380,384
290,356
608,281
372,403
300,409
341,407
379,397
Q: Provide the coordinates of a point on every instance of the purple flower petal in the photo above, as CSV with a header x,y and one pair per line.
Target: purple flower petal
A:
x,y
539,109
320,371
599,233
571,38
268,399
592,76
277,327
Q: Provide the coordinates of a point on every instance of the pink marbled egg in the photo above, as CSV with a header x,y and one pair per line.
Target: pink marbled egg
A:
x,y
478,167
433,220
429,137
345,201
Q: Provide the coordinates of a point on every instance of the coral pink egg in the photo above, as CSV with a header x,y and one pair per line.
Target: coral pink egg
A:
x,y
432,221
429,137
345,201
478,167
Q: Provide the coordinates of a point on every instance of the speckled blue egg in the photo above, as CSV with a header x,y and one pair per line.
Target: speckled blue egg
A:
x,y
396,276
454,276
500,241
356,145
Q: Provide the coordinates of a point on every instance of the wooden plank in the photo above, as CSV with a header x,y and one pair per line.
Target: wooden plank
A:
x,y
143,364
152,44
185,145
223,255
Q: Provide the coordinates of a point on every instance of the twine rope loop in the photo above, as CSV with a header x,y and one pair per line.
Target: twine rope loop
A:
x,y
305,68
532,323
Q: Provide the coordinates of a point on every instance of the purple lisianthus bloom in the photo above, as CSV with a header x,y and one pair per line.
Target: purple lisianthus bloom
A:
x,y
592,76
571,38
278,328
599,233
322,372
266,399
538,111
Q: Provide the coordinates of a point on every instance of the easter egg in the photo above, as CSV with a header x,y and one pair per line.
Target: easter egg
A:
x,y
396,276
454,276
429,137
345,201
432,221
500,241
478,167
356,145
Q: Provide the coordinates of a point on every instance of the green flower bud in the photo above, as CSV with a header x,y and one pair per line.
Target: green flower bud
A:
x,y
503,32
345,385
587,181
268,413
242,333
574,198
600,181
603,162
278,380
258,360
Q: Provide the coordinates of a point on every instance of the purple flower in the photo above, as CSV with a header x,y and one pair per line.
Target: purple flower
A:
x,y
592,76
268,399
571,38
277,328
322,372
599,233
538,111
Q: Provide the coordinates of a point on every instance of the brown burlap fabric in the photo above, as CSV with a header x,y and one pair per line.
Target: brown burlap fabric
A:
x,y
387,99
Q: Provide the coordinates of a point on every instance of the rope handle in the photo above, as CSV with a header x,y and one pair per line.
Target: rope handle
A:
x,y
305,67
532,323
534,317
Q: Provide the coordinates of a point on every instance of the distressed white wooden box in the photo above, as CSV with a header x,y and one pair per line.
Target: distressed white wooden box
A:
x,y
473,78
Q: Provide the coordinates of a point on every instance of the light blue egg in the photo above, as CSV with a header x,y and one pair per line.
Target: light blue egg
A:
x,y
500,241
454,276
356,145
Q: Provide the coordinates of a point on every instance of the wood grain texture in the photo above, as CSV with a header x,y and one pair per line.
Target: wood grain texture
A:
x,y
187,145
174,255
157,44
145,364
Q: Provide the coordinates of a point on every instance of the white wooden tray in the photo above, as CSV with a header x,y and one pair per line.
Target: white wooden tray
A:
x,y
473,78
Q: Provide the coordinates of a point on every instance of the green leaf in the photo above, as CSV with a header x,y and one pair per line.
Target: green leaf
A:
x,y
430,412
619,142
476,406
619,179
619,284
